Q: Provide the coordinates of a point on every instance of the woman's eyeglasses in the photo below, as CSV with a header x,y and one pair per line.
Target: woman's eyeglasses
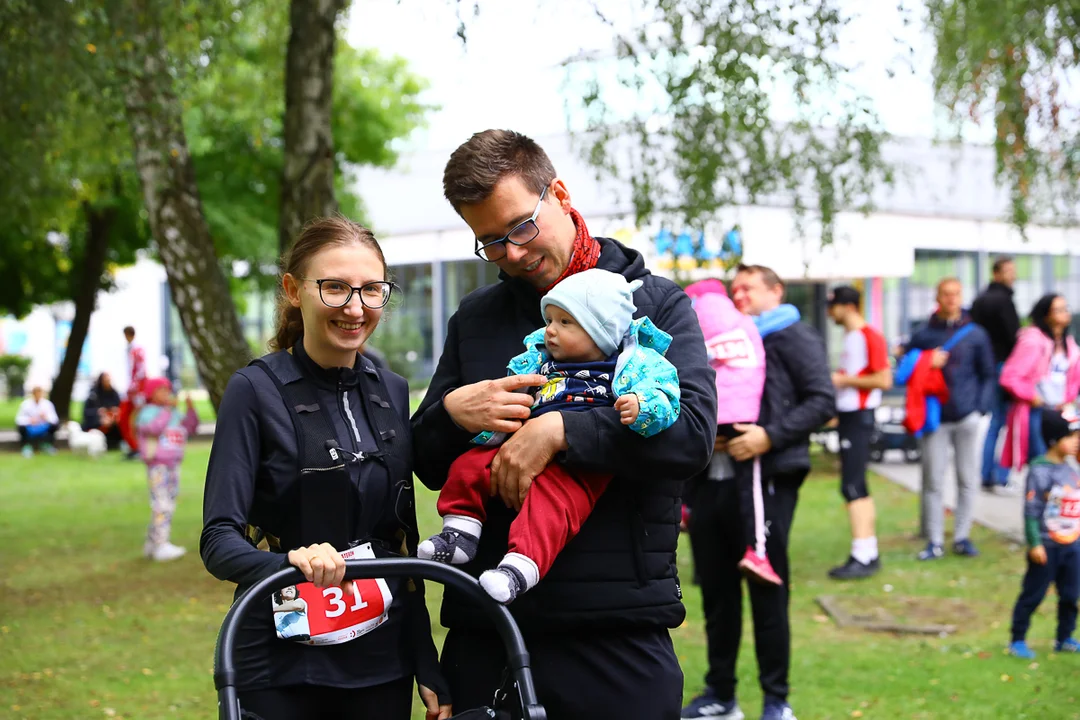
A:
x,y
338,293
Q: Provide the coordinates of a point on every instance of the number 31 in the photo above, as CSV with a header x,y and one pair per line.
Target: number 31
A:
x,y
334,595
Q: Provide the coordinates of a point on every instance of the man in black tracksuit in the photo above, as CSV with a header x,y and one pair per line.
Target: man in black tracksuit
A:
x,y
995,311
798,399
597,626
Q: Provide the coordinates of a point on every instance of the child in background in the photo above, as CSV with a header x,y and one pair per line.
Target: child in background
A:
x,y
594,355
737,355
1052,527
163,432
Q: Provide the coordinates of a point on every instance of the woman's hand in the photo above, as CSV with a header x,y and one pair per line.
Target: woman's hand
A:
x,y
435,711
321,564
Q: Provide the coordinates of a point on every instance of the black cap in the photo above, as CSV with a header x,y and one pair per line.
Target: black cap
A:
x,y
1055,427
845,295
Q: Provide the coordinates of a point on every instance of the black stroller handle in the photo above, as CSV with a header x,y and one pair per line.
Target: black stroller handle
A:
x,y
517,657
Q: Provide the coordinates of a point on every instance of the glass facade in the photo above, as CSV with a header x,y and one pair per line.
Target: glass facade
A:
x,y
414,325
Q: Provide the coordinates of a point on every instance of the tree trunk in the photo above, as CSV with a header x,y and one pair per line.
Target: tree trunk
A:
x,y
199,288
307,183
98,227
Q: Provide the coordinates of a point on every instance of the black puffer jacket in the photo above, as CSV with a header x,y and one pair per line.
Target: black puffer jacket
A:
x,y
799,396
620,569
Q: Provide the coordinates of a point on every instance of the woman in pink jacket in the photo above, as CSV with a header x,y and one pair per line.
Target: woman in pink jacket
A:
x,y
1043,370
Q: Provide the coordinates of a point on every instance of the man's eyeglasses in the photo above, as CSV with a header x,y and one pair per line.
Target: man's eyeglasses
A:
x,y
338,293
523,234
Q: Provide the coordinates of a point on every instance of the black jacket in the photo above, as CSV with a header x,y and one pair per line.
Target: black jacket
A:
x,y
620,570
798,398
97,399
995,311
253,473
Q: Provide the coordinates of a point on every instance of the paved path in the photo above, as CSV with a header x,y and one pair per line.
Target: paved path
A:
x,y
1001,513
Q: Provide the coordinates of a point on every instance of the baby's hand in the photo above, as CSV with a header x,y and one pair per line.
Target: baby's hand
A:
x,y
629,408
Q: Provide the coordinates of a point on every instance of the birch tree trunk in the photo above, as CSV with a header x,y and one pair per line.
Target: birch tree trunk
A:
x,y
307,183
199,288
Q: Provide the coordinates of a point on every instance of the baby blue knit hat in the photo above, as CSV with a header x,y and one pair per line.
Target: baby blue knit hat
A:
x,y
602,302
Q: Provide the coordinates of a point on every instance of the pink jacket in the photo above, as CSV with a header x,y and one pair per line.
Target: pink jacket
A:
x,y
735,353
1029,363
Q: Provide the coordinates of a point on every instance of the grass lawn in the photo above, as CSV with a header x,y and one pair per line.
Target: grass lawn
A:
x,y
89,629
9,407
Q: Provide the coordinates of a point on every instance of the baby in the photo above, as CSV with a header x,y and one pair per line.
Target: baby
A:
x,y
595,356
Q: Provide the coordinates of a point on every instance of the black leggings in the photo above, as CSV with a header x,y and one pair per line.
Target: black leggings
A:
x,y
391,701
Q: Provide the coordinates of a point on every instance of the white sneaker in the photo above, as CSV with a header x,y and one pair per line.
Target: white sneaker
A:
x,y
167,551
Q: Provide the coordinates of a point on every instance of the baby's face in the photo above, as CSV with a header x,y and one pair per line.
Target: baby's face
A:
x,y
566,340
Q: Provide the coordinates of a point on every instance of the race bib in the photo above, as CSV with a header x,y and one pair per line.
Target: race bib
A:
x,y
1062,515
330,616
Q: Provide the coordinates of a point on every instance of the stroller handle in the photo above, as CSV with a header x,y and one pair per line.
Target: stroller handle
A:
x,y
516,654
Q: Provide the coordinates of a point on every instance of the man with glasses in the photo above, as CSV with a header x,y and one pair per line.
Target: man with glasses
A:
x,y
597,626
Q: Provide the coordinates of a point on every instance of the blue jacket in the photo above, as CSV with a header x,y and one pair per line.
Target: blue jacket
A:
x,y
641,369
970,373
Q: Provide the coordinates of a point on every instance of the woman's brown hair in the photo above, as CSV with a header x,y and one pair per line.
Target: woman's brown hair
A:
x,y
318,234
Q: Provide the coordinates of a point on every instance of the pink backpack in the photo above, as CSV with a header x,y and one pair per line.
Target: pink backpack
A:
x,y
735,353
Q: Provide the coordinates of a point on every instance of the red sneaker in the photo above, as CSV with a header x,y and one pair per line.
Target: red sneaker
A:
x,y
758,568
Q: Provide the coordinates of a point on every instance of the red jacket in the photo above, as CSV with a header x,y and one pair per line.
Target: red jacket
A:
x,y
925,381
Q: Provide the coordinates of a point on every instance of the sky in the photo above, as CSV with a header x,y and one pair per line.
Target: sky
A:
x,y
510,72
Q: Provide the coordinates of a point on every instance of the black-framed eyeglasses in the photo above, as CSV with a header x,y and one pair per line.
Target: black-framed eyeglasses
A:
x,y
523,234
338,293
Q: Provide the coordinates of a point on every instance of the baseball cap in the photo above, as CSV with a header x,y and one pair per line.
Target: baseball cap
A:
x,y
845,295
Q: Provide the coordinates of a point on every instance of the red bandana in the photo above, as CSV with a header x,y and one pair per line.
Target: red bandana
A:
x,y
586,251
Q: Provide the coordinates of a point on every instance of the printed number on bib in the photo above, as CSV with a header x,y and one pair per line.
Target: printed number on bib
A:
x,y
330,616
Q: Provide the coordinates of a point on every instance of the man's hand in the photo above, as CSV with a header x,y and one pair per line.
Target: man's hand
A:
x,y
754,441
940,358
524,456
1037,555
492,404
629,408
839,379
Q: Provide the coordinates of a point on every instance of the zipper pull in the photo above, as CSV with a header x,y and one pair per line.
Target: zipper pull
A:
x,y
334,449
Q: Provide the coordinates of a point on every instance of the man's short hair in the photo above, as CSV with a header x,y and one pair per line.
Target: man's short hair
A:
x,y
768,275
948,281
1000,262
489,156
129,331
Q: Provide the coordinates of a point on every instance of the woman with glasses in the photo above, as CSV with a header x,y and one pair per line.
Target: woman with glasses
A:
x,y
1043,371
312,459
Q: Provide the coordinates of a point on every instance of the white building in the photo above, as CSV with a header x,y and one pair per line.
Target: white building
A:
x,y
944,216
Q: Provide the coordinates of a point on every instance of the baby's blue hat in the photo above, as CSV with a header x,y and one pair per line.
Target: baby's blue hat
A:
x,y
602,302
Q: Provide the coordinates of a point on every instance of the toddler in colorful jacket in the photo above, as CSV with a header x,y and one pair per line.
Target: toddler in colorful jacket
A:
x,y
163,432
594,355
1052,530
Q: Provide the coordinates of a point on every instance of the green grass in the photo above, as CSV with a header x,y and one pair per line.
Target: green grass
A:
x,y
89,629
9,407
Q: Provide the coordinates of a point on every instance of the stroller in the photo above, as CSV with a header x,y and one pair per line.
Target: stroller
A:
x,y
517,656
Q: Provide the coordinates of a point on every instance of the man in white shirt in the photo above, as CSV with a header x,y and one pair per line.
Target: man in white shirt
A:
x,y
37,423
863,374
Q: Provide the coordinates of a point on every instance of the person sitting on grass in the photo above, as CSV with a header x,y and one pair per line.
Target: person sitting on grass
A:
x,y
1052,527
37,423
